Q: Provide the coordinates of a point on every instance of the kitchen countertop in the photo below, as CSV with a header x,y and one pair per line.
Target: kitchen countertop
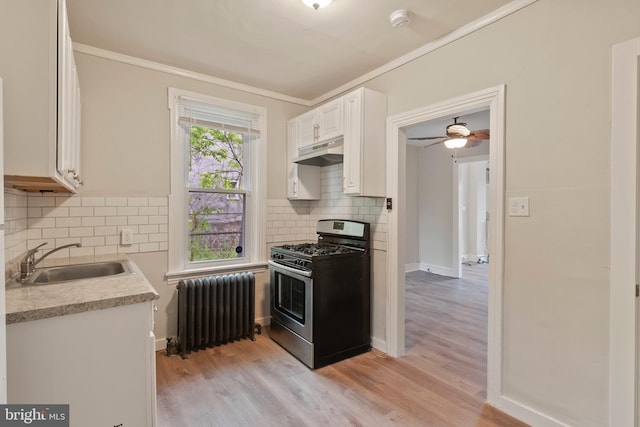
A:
x,y
34,302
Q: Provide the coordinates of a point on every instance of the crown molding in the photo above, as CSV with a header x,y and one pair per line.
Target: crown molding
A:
x,y
463,31
156,66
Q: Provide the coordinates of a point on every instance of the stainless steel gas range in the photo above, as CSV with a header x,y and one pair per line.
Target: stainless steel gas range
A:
x,y
320,294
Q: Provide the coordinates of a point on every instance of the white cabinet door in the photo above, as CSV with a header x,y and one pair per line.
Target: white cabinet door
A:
x,y
68,141
99,362
364,143
330,120
352,166
320,124
307,129
303,181
44,97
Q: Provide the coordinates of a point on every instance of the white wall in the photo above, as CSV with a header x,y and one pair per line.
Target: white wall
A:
x,y
436,209
554,58
473,208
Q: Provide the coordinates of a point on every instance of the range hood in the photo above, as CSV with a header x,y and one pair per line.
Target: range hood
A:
x,y
323,154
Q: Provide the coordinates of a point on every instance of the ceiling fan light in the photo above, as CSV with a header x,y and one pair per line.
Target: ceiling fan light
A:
x,y
316,4
455,142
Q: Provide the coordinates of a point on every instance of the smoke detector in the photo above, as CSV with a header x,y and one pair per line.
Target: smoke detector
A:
x,y
399,18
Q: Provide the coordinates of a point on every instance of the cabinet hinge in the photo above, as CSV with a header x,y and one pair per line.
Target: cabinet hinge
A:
x,y
637,290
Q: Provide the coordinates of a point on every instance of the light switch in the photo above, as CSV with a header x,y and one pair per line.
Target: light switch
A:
x,y
126,236
518,206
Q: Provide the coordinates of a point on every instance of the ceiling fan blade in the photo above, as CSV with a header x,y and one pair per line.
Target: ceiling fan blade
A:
x,y
424,138
433,143
479,134
473,143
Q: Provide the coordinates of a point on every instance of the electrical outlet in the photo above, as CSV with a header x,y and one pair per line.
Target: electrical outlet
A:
x,y
518,206
126,236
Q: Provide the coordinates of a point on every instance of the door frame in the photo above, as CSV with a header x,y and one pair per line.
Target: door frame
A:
x,y
494,98
623,240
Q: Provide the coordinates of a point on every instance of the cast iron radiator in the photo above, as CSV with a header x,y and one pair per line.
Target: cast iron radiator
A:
x,y
215,310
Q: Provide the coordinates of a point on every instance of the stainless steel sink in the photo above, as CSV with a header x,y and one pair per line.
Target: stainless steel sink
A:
x,y
48,275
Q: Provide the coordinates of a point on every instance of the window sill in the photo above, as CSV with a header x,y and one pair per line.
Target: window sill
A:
x,y
174,277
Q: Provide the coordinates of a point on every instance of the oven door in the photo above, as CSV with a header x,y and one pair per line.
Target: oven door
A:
x,y
292,299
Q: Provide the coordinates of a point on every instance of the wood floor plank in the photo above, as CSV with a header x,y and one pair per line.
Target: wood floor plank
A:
x,y
440,382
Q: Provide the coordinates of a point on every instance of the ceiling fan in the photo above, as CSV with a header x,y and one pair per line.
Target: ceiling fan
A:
x,y
458,136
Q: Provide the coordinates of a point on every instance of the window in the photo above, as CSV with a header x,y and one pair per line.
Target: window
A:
x,y
217,178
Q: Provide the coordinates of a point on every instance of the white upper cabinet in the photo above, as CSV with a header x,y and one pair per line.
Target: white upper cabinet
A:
x,y
364,168
360,118
303,181
42,97
321,124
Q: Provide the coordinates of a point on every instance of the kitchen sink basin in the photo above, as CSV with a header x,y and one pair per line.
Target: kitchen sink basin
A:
x,y
47,275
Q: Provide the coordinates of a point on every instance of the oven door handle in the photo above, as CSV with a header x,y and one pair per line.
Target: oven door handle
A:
x,y
289,269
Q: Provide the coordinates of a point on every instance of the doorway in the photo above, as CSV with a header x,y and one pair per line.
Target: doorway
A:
x,y
493,100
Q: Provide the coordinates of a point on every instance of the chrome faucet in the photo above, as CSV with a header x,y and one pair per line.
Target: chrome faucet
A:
x,y
29,262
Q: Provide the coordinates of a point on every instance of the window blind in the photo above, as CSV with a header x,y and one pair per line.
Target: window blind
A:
x,y
194,112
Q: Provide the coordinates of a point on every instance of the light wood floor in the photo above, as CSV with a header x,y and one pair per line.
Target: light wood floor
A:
x,y
439,382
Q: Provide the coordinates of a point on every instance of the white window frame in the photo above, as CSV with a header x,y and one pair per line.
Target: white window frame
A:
x,y
255,226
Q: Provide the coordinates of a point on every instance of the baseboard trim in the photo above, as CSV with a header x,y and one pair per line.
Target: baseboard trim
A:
x,y
523,413
379,344
414,266
436,269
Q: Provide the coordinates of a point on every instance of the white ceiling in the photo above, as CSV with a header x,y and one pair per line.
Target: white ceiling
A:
x,y
281,46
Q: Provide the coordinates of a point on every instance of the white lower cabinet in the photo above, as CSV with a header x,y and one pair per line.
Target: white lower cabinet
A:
x,y
101,363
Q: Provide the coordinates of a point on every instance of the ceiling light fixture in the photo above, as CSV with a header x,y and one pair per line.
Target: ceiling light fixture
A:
x,y
455,142
316,4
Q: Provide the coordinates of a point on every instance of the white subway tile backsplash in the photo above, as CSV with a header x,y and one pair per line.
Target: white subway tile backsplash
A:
x,y
149,229
158,201
116,220
146,210
41,222
55,212
68,222
34,212
82,211
55,233
80,232
159,219
33,233
40,201
32,219
105,231
93,201
93,221
138,201
137,220
127,210
115,201
106,211
93,241
68,201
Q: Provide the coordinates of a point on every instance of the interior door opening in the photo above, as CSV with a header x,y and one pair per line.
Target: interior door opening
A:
x,y
491,99
447,202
